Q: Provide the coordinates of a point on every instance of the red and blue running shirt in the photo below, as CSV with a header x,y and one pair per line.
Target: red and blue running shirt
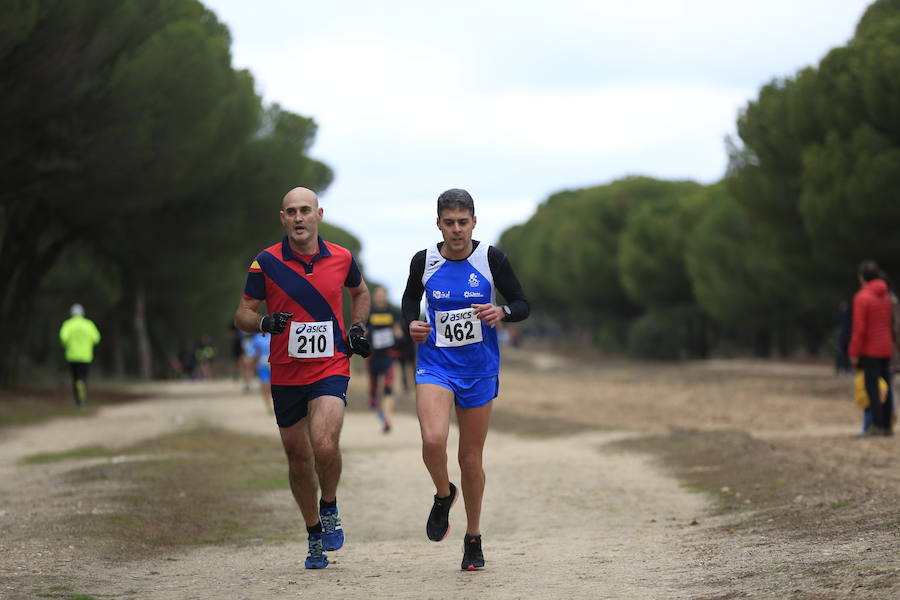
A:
x,y
313,346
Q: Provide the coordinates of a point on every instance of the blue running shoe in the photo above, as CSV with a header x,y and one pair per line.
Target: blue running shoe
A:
x,y
332,532
316,558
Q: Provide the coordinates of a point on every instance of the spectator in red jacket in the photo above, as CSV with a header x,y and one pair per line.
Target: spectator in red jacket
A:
x,y
872,342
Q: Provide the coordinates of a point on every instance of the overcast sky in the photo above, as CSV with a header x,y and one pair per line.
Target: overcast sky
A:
x,y
514,100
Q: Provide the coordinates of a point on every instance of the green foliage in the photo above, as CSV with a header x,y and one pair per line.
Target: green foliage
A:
x,y
139,167
816,176
811,190
651,256
655,336
879,13
590,258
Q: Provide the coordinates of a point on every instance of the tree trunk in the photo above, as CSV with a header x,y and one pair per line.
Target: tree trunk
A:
x,y
783,340
812,336
21,271
117,349
145,356
18,293
762,343
697,336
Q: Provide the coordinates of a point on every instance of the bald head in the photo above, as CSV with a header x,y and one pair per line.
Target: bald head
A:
x,y
300,215
300,194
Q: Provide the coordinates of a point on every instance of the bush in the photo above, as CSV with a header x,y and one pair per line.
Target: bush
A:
x,y
655,337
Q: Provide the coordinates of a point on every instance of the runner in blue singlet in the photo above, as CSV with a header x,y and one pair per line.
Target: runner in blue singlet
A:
x,y
459,358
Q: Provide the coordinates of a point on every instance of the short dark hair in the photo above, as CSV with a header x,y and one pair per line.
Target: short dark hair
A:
x,y
455,199
868,270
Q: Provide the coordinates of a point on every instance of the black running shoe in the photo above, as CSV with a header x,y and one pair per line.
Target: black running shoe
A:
x,y
439,520
473,558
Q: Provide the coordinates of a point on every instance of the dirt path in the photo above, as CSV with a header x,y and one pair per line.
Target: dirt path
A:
x,y
565,517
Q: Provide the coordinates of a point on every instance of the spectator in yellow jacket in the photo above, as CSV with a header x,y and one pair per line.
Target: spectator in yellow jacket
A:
x,y
79,335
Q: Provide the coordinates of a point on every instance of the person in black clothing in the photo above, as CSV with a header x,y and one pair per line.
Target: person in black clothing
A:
x,y
383,332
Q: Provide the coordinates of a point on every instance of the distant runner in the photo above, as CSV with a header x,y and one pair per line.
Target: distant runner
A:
x,y
384,332
259,353
459,358
301,279
79,335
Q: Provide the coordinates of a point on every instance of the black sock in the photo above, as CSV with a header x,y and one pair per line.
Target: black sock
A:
x,y
323,504
317,528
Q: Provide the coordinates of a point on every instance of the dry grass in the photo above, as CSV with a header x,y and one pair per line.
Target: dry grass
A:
x,y
193,488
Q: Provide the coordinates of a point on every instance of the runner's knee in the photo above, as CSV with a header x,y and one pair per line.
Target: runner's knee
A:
x,y
470,461
325,449
434,443
299,462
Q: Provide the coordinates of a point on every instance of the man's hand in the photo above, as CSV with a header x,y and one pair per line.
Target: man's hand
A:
x,y
489,314
357,340
275,323
418,331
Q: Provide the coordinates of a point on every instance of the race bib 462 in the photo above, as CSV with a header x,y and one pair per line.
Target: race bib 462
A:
x,y
454,328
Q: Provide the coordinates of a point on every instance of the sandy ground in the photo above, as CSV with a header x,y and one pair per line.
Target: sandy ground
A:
x,y
564,517
575,507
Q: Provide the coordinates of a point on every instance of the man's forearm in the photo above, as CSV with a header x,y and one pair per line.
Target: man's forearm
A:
x,y
247,320
359,307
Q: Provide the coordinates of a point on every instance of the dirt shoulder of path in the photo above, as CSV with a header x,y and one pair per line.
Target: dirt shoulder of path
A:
x,y
804,507
792,503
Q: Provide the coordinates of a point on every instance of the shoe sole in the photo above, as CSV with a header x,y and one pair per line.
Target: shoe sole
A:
x,y
452,502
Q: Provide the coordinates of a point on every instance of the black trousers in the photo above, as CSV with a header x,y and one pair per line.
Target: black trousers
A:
x,y
873,370
79,373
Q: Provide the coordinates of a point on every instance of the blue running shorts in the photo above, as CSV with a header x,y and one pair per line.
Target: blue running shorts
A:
x,y
468,392
291,402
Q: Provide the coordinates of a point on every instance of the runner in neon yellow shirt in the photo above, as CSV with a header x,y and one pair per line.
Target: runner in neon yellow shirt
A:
x,y
79,335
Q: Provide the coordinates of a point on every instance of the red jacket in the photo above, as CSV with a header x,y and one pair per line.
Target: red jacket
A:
x,y
872,321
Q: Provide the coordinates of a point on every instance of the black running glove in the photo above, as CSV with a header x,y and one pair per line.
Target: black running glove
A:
x,y
357,340
275,323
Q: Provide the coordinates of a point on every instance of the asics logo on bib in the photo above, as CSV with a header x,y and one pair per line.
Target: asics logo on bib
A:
x,y
311,328
456,316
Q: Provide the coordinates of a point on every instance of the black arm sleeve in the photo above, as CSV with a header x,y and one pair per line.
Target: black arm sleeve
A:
x,y
508,285
412,295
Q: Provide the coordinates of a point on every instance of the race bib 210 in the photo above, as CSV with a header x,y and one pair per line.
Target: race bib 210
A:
x,y
311,340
